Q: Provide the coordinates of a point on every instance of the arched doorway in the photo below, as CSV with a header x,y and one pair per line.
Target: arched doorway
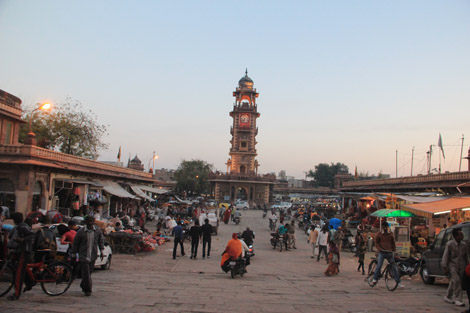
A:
x,y
243,169
241,194
7,194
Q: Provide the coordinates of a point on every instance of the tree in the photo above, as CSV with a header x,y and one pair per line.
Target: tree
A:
x,y
66,128
324,174
193,177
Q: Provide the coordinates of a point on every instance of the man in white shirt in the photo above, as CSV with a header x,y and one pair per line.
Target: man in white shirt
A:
x,y
322,242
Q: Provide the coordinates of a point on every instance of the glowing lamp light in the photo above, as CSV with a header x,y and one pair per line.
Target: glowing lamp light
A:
x,y
443,212
45,106
466,209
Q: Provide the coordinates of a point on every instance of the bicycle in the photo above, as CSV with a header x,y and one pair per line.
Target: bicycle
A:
x,y
389,272
55,278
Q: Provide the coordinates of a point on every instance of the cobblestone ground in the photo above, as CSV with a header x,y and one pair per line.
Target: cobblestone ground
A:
x,y
287,281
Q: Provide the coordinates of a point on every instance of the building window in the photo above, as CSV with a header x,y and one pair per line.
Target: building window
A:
x,y
8,133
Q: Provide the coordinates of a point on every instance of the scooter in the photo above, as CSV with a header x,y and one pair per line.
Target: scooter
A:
x,y
236,219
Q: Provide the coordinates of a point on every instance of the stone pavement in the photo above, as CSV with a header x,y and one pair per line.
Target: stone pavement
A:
x,y
287,281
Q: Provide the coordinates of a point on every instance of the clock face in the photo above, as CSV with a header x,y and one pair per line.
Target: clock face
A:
x,y
244,118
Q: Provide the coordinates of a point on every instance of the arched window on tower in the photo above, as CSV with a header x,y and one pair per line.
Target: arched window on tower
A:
x,y
243,169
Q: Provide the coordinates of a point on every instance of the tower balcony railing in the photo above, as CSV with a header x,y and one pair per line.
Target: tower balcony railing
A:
x,y
242,177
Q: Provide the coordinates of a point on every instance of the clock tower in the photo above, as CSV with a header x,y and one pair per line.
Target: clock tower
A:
x,y
243,144
241,181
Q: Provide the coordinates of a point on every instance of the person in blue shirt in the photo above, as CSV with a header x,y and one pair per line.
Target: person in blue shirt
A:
x,y
282,231
177,232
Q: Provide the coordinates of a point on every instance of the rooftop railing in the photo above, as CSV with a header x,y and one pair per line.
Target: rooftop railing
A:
x,y
29,151
455,176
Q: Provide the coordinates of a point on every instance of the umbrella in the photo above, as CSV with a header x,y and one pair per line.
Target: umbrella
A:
x,y
335,222
392,213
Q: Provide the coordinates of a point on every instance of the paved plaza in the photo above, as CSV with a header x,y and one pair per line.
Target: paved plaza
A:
x,y
287,281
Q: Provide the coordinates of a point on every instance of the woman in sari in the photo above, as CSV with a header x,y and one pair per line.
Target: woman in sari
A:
x,y
227,215
232,252
333,260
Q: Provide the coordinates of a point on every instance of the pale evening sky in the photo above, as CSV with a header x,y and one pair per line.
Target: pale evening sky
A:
x,y
339,81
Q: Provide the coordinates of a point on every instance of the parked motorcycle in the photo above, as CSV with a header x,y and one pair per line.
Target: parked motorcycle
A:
x,y
237,267
408,266
349,242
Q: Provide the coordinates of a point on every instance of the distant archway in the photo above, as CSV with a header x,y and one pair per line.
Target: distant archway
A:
x,y
241,194
243,169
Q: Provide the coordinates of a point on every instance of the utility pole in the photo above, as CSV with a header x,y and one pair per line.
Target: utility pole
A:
x,y
396,163
461,151
412,157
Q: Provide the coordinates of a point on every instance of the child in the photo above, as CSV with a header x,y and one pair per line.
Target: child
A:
x,y
361,250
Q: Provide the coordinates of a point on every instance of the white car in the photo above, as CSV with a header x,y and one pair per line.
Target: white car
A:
x,y
104,264
242,205
282,205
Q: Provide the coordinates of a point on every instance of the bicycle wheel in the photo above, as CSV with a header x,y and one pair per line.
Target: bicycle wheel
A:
x,y
390,272
6,278
56,278
370,272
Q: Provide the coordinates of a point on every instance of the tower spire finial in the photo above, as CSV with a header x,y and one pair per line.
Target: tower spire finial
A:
x,y
246,72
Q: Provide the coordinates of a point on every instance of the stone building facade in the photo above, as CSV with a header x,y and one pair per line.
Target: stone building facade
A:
x,y
31,176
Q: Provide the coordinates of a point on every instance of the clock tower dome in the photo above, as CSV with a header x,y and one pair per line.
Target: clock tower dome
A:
x,y
243,144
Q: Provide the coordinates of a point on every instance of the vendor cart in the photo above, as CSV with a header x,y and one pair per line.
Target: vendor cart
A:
x,y
122,242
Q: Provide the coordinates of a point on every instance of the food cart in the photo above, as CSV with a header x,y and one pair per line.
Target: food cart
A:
x,y
400,232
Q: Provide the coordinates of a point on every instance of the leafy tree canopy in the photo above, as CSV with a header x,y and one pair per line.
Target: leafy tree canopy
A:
x,y
193,177
324,173
66,128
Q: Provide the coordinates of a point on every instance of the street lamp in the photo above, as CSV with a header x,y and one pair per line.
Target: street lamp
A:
x,y
155,156
44,107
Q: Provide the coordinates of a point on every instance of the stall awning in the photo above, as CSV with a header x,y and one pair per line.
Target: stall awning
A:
x,y
437,207
183,201
116,190
140,193
153,190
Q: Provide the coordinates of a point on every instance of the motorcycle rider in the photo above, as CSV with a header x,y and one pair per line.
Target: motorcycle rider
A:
x,y
282,232
236,215
248,235
233,251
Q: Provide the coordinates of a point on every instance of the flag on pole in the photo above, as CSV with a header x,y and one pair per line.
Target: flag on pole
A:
x,y
439,144
119,154
355,173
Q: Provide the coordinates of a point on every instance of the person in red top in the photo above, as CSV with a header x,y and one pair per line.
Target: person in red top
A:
x,y
68,237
